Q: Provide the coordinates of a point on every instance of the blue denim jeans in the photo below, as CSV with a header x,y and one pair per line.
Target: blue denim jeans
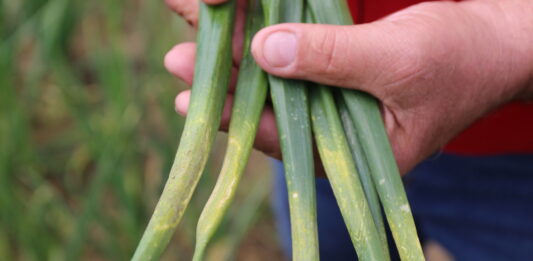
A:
x,y
478,208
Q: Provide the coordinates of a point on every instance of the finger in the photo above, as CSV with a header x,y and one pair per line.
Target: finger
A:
x,y
180,61
181,102
346,56
215,2
188,9
267,139
238,36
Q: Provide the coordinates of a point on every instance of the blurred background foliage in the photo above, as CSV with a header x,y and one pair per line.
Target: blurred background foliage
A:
x,y
88,133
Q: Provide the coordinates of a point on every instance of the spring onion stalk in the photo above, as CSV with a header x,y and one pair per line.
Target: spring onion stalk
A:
x,y
364,171
248,103
212,75
364,110
342,173
386,176
291,107
358,161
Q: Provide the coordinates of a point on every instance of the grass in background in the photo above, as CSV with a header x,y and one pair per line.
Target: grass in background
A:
x,y
88,134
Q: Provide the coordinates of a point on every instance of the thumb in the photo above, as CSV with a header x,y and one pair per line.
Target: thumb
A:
x,y
345,56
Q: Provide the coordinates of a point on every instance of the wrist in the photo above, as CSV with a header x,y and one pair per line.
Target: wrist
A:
x,y
511,24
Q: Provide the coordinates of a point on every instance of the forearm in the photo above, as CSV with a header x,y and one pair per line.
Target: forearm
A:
x,y
512,21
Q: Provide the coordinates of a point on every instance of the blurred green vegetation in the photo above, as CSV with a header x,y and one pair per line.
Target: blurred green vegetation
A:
x,y
88,134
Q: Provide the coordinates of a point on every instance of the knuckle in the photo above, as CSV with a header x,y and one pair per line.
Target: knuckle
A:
x,y
325,51
184,8
331,47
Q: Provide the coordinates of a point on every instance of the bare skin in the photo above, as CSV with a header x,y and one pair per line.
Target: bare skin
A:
x,y
436,67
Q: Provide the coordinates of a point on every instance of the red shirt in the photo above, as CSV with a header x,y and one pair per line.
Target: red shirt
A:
x,y
509,130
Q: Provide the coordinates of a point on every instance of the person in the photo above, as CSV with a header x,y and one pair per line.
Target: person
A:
x,y
455,80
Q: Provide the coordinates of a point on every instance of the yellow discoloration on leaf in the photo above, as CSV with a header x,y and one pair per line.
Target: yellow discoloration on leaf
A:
x,y
235,144
340,168
405,208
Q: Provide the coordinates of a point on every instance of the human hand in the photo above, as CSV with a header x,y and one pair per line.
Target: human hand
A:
x,y
436,67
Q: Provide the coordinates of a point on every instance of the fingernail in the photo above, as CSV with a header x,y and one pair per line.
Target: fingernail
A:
x,y
279,49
